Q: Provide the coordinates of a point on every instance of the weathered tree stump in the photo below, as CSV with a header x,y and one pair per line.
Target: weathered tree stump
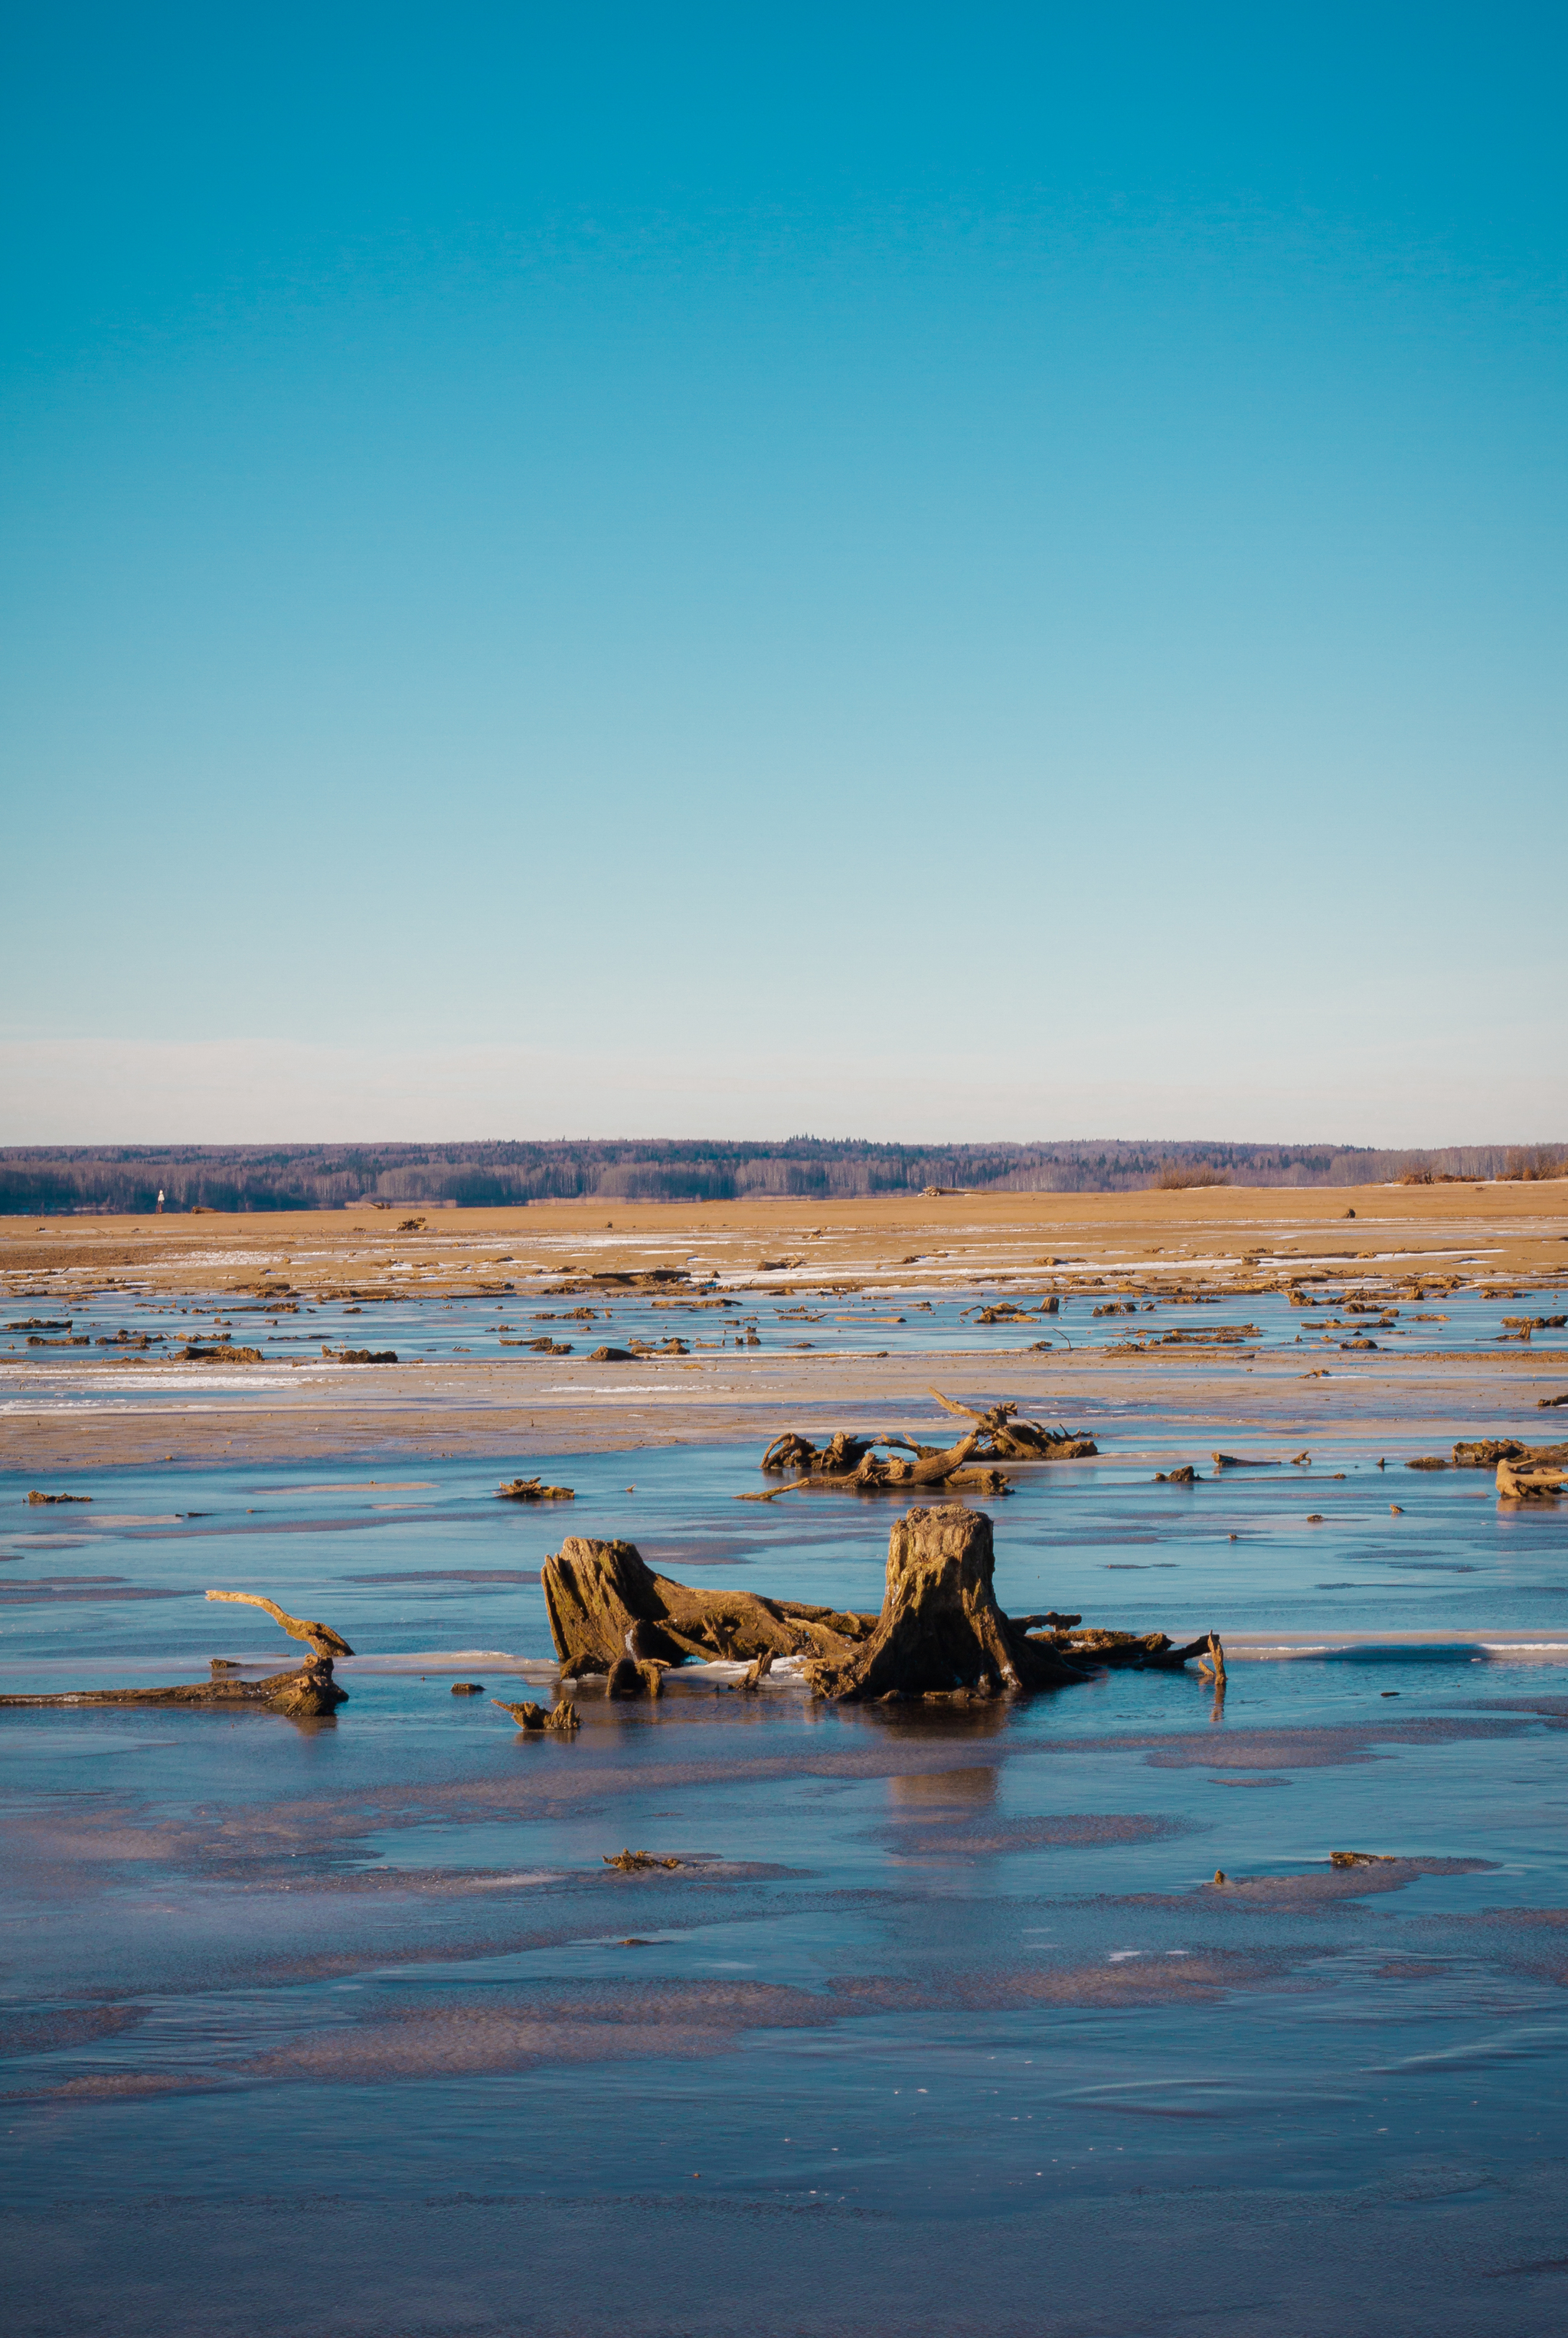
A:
x,y
941,1629
607,1609
940,1634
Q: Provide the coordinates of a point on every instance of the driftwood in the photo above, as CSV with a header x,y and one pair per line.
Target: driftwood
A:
x,y
1520,1482
532,1489
610,1613
531,1717
854,1464
940,1634
319,1636
303,1694
1012,1439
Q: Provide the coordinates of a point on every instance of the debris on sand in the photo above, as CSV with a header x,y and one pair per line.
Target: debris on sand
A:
x,y
358,1355
612,1356
534,1490
223,1353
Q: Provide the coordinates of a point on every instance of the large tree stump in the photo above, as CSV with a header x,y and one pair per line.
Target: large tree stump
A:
x,y
940,1630
607,1609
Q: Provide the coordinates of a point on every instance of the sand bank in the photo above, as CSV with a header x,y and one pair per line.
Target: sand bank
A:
x,y
125,1412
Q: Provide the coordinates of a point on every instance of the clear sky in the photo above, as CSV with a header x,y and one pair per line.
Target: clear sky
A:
x,y
896,572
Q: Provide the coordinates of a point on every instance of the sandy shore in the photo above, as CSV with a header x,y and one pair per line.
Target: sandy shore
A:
x,y
516,1408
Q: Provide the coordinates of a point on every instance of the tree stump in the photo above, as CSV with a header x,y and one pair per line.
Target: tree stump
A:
x,y
608,1609
940,1629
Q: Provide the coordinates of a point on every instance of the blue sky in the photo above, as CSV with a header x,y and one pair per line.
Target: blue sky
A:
x,y
880,572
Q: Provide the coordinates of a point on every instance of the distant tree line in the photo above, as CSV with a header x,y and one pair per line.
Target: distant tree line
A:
x,y
51,1181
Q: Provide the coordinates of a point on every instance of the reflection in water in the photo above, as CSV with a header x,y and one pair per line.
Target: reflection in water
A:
x,y
971,1787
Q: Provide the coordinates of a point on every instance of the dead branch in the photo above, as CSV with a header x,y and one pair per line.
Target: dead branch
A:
x,y
319,1636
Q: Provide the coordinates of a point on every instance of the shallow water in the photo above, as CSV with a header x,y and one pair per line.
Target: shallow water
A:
x,y
891,1319
941,2025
